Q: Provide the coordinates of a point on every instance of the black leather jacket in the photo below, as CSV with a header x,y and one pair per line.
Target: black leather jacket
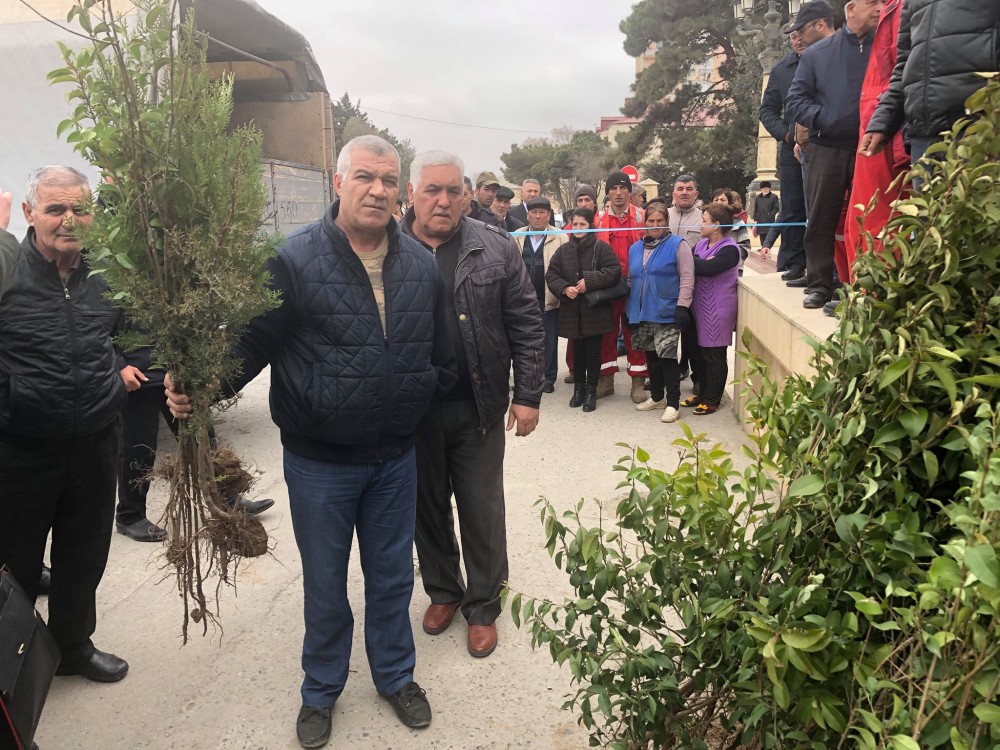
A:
x,y
59,369
942,45
497,304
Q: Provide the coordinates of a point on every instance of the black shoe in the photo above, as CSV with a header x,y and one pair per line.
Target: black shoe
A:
x,y
589,399
799,283
250,507
142,530
411,706
815,300
549,388
99,667
793,274
830,308
45,581
578,393
313,726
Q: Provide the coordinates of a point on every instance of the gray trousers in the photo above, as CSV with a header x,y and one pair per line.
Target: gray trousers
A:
x,y
455,458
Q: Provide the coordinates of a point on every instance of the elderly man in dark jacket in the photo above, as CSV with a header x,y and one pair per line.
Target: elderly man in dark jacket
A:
x,y
494,321
824,98
62,386
942,45
358,350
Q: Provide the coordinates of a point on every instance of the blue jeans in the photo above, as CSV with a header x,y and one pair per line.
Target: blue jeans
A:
x,y
328,502
550,322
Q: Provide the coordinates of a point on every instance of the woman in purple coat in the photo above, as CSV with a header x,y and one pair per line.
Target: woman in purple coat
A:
x,y
716,272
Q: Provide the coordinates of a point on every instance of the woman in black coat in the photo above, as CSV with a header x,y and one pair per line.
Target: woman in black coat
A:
x,y
583,264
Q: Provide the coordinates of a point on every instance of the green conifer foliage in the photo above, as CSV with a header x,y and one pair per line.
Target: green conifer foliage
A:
x,y
842,591
177,235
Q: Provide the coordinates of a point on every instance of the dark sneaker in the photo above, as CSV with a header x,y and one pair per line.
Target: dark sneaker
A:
x,y
313,726
411,706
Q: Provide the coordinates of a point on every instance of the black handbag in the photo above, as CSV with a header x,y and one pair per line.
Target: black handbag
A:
x,y
599,296
28,660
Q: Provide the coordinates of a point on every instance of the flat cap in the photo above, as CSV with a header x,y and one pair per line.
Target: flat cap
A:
x,y
539,201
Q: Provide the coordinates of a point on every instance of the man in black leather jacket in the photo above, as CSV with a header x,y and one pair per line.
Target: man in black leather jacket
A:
x,y
62,386
494,321
942,45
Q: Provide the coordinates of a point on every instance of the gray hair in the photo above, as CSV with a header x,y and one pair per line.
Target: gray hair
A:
x,y
686,178
532,181
433,159
53,174
373,144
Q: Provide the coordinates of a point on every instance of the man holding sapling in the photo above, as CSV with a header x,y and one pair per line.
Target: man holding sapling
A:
x,y
62,386
358,350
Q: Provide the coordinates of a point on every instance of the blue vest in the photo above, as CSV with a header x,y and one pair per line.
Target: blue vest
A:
x,y
655,286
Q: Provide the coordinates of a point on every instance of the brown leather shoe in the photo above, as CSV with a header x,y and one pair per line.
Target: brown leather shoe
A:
x,y
438,617
482,640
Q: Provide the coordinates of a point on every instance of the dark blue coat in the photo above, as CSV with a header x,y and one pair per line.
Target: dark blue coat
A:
x,y
343,389
826,92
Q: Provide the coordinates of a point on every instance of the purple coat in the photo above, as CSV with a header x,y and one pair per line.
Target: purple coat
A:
x,y
714,304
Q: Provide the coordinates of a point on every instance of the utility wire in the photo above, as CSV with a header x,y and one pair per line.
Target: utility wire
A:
x,y
457,124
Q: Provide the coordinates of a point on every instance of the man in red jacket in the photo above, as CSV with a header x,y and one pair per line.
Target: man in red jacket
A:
x,y
874,174
625,223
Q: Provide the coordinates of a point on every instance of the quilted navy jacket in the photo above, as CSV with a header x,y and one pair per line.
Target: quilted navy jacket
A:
x,y
343,389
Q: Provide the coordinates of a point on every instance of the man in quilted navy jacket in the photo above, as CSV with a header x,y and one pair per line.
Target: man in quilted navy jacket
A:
x,y
358,349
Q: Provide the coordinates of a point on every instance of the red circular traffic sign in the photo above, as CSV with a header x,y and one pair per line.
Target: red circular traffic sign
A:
x,y
632,172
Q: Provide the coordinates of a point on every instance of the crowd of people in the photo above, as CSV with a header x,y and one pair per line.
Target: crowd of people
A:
x,y
852,109
449,314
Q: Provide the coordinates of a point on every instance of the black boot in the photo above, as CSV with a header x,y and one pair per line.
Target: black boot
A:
x,y
590,398
578,391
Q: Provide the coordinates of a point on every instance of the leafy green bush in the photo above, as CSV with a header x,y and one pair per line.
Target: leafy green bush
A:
x,y
843,590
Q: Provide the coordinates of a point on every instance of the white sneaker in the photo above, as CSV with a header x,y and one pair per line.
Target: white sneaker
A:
x,y
650,405
670,414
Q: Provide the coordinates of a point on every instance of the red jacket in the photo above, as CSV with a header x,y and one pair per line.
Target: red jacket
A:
x,y
621,241
874,174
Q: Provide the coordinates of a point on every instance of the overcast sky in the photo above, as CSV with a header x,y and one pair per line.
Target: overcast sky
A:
x,y
530,65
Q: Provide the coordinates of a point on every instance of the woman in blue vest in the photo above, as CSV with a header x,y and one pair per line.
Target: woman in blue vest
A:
x,y
661,277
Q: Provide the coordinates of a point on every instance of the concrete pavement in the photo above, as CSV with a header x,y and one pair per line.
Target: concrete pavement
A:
x,y
241,691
